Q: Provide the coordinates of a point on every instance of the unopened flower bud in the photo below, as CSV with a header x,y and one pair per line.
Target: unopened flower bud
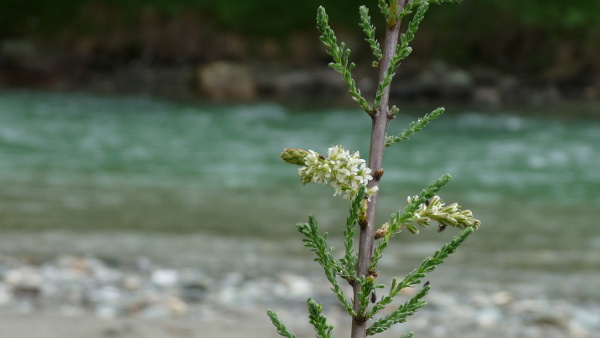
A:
x,y
413,229
383,231
362,221
362,214
294,156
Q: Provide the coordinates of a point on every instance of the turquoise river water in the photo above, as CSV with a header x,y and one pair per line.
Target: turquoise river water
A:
x,y
124,175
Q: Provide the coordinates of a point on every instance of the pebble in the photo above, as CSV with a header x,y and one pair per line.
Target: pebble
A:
x,y
80,286
165,278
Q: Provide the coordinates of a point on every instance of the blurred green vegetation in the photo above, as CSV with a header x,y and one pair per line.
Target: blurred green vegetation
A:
x,y
277,18
499,31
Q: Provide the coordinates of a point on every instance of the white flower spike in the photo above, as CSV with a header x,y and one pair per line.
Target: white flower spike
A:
x,y
344,171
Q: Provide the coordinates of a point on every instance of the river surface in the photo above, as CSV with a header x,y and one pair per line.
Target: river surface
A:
x,y
202,185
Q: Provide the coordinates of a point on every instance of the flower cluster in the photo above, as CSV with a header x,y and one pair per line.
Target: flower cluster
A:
x,y
435,209
344,171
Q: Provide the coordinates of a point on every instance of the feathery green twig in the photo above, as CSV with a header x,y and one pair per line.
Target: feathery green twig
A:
x,y
428,265
318,244
281,329
398,219
318,320
399,315
369,30
414,127
340,56
359,268
348,262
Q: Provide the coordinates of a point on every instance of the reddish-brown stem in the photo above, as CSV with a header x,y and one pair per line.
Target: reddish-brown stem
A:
x,y
380,120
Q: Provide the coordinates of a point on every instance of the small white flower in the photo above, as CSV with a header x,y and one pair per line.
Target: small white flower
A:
x,y
344,171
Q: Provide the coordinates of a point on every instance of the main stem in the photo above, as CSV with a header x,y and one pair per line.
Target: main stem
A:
x,y
378,130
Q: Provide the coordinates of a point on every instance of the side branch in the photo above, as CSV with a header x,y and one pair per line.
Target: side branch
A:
x,y
318,244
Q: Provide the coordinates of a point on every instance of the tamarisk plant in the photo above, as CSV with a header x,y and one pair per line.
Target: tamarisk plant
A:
x,y
355,180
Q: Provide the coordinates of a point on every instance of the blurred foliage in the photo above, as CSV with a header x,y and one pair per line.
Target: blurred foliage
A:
x,y
559,14
19,17
498,31
279,18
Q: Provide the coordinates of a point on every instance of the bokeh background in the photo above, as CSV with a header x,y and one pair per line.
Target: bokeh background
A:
x,y
488,51
142,193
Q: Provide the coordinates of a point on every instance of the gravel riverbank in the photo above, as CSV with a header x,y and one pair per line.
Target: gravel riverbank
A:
x,y
84,296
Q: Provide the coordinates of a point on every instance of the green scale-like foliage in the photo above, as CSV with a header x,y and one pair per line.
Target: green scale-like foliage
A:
x,y
421,209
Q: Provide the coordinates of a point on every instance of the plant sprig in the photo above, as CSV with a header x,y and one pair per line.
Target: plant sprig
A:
x,y
414,127
415,276
359,267
402,50
348,262
399,219
388,12
366,294
369,30
318,244
399,315
318,320
281,329
340,55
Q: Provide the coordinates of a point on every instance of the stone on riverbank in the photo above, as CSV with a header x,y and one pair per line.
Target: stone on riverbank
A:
x,y
86,287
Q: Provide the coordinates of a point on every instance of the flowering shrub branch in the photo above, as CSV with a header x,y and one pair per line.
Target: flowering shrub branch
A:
x,y
435,209
358,182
